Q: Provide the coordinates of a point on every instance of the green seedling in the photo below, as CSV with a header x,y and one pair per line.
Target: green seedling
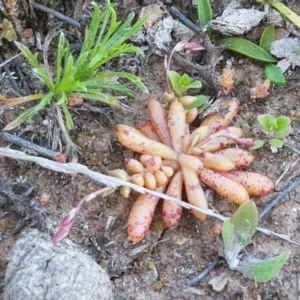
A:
x,y
276,130
181,84
237,233
284,10
80,76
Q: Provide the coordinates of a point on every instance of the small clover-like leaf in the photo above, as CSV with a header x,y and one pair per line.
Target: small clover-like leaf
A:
x,y
265,121
276,143
185,80
263,270
257,144
282,123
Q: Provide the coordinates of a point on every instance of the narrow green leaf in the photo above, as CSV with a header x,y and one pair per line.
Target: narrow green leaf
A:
x,y
29,113
274,74
267,38
60,53
204,11
42,74
69,120
276,143
263,270
247,48
31,58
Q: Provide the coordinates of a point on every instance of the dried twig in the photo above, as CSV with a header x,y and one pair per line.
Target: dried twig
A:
x,y
267,209
9,60
55,14
60,157
207,269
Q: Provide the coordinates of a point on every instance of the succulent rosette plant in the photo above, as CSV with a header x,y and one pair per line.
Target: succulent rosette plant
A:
x,y
173,159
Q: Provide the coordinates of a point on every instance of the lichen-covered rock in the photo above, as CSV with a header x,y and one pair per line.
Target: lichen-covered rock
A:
x,y
39,269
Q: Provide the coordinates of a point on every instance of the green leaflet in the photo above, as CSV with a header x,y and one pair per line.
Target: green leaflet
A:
x,y
201,100
263,270
274,74
247,48
244,223
267,38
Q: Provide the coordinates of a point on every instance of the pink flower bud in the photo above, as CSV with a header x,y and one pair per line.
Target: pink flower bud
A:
x,y
65,226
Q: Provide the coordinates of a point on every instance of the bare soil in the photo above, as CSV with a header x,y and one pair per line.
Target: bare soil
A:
x,y
157,267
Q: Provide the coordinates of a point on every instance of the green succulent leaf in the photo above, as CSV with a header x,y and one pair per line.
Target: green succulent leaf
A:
x,y
266,122
194,85
244,222
175,81
267,38
257,144
185,80
263,270
238,231
247,48
227,234
274,74
276,143
282,123
200,101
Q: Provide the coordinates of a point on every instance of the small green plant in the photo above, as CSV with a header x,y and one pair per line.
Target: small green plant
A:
x,y
237,234
276,130
104,39
181,84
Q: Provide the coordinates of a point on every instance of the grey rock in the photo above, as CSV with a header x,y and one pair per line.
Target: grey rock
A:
x,y
39,269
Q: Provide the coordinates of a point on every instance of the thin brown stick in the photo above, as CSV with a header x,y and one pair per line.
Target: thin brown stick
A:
x,y
55,14
57,156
